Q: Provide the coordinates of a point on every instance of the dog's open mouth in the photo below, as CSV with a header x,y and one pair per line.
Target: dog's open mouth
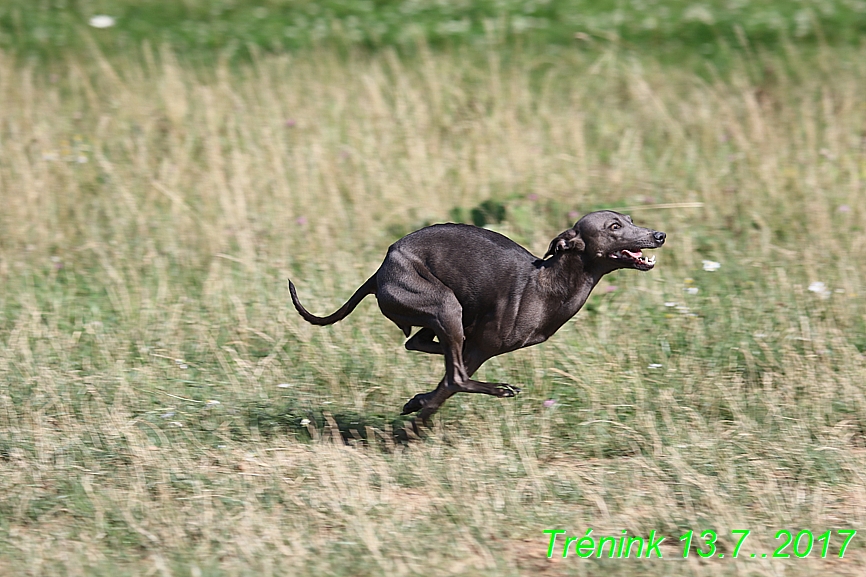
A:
x,y
634,259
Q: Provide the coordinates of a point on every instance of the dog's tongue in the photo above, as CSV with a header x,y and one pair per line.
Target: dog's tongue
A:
x,y
634,255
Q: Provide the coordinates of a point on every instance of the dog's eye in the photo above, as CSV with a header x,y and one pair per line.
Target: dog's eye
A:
x,y
615,226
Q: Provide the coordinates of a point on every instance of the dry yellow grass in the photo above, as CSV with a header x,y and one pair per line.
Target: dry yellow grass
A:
x,y
152,212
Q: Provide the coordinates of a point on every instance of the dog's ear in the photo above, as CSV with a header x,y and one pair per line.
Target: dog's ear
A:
x,y
568,240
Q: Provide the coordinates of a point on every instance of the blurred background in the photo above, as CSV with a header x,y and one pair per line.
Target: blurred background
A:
x,y
200,29
166,166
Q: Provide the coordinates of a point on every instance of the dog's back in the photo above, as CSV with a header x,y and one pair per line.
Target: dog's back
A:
x,y
467,259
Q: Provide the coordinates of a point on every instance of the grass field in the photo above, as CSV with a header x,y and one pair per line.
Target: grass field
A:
x,y
164,411
203,30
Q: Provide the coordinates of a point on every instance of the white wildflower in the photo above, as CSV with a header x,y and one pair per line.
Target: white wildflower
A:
x,y
820,289
102,21
711,265
305,422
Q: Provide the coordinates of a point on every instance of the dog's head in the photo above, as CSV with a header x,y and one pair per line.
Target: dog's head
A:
x,y
609,240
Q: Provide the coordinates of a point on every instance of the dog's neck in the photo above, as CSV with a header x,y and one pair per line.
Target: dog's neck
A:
x,y
567,277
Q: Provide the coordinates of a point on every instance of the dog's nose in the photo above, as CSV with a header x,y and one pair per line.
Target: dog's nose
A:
x,y
659,236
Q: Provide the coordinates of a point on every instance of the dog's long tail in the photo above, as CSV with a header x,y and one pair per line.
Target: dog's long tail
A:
x,y
365,289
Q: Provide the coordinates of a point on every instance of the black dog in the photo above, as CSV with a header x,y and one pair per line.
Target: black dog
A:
x,y
476,294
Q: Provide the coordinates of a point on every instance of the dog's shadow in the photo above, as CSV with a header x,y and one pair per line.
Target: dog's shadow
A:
x,y
352,428
349,427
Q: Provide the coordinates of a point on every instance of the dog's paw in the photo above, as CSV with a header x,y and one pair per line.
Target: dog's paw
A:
x,y
414,405
505,390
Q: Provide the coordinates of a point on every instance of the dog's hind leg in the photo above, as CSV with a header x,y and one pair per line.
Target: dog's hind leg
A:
x,y
412,299
474,359
426,404
423,301
423,341
446,323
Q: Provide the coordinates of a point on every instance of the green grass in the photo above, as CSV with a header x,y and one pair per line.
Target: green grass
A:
x,y
202,31
152,211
